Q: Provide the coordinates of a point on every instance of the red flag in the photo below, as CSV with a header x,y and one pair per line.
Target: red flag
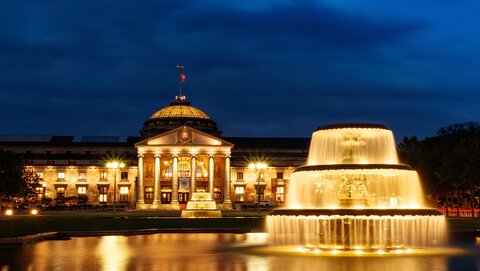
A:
x,y
182,76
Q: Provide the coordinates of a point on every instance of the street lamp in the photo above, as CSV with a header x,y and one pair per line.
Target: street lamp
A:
x,y
258,167
114,165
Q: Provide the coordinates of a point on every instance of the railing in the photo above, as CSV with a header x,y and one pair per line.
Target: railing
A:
x,y
461,212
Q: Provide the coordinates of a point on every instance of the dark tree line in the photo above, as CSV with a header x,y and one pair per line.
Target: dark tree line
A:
x,y
448,163
16,181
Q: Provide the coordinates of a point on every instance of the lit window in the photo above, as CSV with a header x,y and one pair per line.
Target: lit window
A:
x,y
149,192
239,175
103,175
40,175
124,190
82,175
103,194
60,192
280,194
168,173
123,194
82,190
217,193
61,175
239,193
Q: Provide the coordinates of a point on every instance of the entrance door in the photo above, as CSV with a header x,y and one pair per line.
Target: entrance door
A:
x,y
166,197
183,197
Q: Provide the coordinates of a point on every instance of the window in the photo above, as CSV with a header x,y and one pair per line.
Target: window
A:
x,y
39,192
280,175
40,175
60,192
260,191
61,175
82,176
166,197
280,194
217,193
239,193
103,194
239,175
82,190
103,175
124,176
123,194
149,193
168,172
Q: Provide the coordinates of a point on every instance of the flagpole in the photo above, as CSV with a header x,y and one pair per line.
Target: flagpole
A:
x,y
180,83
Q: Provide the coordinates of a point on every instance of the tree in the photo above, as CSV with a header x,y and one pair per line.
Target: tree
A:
x,y
449,162
16,181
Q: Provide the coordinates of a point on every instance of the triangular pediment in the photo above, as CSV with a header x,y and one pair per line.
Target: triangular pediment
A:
x,y
184,136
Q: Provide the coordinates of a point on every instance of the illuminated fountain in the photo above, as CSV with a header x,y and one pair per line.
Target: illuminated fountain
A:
x,y
353,195
201,206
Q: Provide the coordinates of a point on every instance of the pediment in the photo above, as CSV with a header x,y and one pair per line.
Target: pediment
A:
x,y
184,136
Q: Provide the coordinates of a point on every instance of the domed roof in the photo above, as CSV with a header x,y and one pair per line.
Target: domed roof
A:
x,y
179,109
178,113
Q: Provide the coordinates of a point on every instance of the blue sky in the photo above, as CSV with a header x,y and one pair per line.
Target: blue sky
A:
x,y
258,68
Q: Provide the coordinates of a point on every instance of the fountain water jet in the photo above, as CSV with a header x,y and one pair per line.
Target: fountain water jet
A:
x,y
354,195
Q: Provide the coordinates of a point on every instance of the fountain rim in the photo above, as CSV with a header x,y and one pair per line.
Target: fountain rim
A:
x,y
352,166
356,212
353,126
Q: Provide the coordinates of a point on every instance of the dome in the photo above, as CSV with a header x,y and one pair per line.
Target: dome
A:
x,y
178,113
179,109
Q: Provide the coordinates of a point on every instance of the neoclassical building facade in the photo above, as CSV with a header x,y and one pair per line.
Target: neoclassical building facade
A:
x,y
180,151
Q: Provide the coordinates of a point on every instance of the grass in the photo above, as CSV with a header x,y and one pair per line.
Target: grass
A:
x,y
20,225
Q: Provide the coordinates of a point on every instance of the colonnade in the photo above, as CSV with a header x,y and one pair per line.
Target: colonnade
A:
x,y
227,204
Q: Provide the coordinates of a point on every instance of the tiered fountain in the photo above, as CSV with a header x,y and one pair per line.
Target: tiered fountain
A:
x,y
354,195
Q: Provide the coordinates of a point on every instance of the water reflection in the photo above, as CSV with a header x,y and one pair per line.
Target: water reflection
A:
x,y
198,252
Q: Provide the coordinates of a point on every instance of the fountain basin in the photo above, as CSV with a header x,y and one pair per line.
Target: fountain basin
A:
x,y
357,212
352,229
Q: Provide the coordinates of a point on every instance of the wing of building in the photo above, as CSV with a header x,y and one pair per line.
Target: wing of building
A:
x,y
180,151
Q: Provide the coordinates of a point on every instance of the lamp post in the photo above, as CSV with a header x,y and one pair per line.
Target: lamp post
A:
x,y
258,167
114,165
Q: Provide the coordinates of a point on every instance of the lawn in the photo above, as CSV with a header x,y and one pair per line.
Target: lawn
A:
x,y
19,225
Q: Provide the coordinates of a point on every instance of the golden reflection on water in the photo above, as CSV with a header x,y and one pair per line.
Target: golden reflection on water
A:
x,y
194,252
114,253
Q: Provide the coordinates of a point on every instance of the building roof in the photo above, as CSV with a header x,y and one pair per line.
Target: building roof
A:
x,y
180,110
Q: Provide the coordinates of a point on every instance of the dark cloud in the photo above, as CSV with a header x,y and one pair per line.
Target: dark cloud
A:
x,y
103,67
301,20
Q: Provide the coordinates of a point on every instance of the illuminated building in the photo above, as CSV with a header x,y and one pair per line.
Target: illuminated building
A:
x,y
180,150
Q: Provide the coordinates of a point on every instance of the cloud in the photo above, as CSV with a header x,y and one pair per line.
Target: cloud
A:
x,y
271,68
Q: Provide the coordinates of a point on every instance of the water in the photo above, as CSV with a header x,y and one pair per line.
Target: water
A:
x,y
357,232
205,252
352,146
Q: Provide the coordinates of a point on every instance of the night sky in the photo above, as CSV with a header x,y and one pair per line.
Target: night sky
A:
x,y
258,68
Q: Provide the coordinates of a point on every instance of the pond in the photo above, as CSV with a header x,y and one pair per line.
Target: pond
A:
x,y
208,251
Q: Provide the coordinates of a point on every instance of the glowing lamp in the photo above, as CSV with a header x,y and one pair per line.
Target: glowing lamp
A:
x,y
9,212
34,212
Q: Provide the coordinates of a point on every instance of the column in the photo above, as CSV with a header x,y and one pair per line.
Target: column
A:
x,y
140,192
156,188
227,203
210,174
193,175
174,202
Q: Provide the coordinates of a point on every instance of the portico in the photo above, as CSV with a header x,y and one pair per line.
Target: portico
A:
x,y
174,164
